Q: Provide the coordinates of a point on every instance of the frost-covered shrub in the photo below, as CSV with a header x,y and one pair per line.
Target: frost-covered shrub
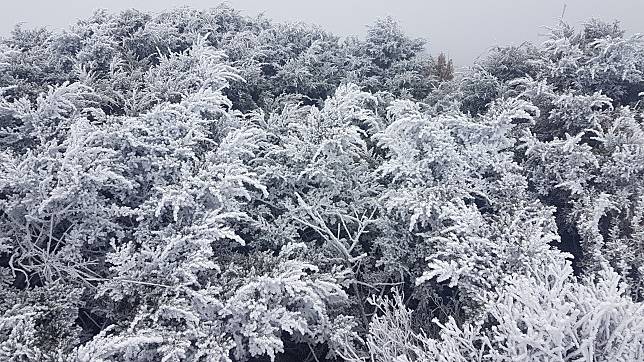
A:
x,y
199,185
544,314
39,324
217,323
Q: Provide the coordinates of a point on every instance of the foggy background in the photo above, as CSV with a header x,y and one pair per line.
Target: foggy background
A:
x,y
464,29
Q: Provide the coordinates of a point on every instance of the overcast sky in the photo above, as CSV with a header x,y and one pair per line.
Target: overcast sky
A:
x,y
464,29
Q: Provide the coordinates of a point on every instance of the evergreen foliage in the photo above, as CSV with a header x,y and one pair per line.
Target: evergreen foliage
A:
x,y
200,185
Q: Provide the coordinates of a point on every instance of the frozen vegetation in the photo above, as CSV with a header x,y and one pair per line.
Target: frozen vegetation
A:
x,y
200,185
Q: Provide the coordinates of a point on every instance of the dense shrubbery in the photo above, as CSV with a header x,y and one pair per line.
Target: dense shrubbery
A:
x,y
205,186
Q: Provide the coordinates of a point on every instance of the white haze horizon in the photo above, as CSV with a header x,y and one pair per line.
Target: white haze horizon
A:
x,y
463,29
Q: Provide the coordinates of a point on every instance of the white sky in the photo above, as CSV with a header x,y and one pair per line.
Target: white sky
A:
x,y
464,29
